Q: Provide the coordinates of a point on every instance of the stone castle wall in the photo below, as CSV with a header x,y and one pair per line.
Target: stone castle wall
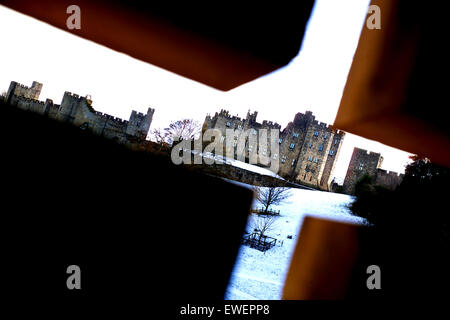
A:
x,y
32,92
368,163
308,149
388,179
316,163
78,110
223,121
242,175
304,145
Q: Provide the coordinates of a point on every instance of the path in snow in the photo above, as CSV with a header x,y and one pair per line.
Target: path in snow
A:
x,y
261,275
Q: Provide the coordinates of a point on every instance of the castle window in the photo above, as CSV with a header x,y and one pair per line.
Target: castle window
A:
x,y
250,148
275,156
255,132
283,159
309,158
228,123
331,152
234,143
295,135
310,145
293,162
292,146
222,138
315,160
321,147
280,140
361,166
239,126
316,133
265,152
325,135
336,142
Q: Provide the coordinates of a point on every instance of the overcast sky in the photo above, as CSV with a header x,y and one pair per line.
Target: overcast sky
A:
x,y
314,80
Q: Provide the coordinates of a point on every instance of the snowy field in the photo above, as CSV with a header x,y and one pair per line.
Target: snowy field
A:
x,y
239,164
259,275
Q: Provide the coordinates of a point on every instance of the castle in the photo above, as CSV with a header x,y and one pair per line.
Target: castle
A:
x,y
78,111
368,163
308,149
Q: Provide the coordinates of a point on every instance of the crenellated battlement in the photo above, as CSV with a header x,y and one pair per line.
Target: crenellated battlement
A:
x,y
389,173
110,117
322,125
26,99
366,152
226,114
251,118
18,89
22,86
140,115
78,110
367,162
299,145
307,118
271,124
73,95
388,179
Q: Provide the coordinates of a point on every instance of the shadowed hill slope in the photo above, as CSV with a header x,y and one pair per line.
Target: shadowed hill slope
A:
x,y
135,223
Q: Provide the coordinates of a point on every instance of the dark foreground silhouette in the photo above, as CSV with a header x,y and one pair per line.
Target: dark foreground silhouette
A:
x,y
139,227
409,238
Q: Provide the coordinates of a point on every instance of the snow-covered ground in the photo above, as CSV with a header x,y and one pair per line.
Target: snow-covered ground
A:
x,y
240,164
259,275
253,168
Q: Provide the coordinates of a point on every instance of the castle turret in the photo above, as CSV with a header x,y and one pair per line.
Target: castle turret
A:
x,y
35,91
11,90
70,105
336,141
362,163
139,124
251,117
20,90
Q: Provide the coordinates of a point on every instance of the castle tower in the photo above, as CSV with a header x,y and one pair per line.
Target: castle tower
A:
x,y
251,117
35,90
313,153
361,163
139,124
336,139
70,105
20,90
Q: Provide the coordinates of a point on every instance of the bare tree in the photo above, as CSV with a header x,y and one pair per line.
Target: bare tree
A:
x,y
263,224
185,129
177,130
271,196
157,135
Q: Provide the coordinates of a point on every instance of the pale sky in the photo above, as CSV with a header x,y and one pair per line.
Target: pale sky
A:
x,y
314,80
